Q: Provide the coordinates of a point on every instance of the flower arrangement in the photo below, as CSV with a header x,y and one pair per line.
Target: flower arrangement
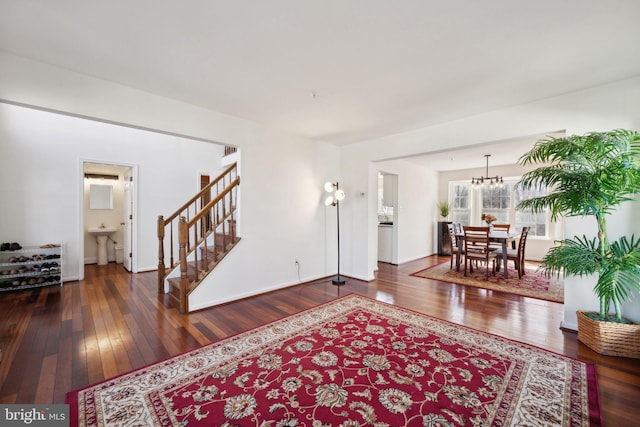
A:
x,y
488,218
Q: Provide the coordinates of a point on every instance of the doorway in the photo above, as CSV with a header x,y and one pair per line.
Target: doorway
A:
x,y
387,217
127,255
115,213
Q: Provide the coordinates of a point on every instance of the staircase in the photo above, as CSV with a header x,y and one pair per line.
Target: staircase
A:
x,y
197,236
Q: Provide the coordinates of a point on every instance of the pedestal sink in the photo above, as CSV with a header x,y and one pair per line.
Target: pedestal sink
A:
x,y
101,236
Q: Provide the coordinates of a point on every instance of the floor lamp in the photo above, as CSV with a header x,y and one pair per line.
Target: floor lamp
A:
x,y
334,200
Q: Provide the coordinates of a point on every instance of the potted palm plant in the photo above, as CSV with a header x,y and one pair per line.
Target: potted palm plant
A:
x,y
591,175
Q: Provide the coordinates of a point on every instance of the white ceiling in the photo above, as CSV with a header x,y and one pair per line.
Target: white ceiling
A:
x,y
340,71
506,152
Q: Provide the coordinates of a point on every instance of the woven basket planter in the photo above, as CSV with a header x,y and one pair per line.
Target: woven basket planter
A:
x,y
609,338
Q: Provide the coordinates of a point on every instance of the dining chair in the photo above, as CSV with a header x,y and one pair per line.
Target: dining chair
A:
x,y
502,227
455,250
517,256
476,248
505,228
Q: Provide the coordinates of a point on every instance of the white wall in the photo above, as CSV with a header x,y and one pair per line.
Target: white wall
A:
x,y
42,179
624,222
281,216
275,233
616,105
417,188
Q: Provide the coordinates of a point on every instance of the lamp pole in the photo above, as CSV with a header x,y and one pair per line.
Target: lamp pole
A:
x,y
334,200
338,281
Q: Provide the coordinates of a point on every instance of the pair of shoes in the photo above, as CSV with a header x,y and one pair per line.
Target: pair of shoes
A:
x,y
50,267
10,247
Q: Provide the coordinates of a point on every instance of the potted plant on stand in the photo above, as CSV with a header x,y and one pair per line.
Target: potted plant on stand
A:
x,y
590,175
443,231
443,207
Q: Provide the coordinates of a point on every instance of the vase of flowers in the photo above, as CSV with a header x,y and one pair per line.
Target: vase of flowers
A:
x,y
488,218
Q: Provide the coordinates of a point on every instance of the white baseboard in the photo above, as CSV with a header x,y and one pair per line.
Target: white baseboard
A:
x,y
570,326
94,260
213,303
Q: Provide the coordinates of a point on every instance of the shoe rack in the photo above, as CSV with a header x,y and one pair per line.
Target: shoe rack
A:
x,y
29,267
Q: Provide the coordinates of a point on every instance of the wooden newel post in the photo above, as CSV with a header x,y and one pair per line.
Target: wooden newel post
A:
x,y
183,238
161,267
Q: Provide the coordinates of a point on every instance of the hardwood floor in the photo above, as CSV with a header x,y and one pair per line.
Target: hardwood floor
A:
x,y
55,340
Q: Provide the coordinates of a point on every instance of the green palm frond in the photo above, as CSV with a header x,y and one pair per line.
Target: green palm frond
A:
x,y
589,175
572,257
620,272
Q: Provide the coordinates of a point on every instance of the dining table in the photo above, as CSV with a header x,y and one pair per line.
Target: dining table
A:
x,y
499,236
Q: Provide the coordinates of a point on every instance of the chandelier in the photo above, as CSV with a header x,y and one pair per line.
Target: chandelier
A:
x,y
491,181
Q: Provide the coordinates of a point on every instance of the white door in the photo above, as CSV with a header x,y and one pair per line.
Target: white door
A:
x,y
128,218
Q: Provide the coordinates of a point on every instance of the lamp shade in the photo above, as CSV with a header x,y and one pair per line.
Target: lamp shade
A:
x,y
339,195
328,201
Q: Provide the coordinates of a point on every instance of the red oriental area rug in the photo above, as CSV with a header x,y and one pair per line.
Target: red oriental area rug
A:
x,y
351,362
533,284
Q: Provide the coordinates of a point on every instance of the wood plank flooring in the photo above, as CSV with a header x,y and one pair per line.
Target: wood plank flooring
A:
x,y
54,340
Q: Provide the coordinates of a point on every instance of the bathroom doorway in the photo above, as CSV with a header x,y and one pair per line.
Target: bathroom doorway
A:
x,y
108,215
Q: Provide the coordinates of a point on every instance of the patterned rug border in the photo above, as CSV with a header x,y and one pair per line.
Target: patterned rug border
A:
x,y
481,284
344,305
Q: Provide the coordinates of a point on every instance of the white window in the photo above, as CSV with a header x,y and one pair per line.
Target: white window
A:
x,y
538,222
497,201
460,203
469,203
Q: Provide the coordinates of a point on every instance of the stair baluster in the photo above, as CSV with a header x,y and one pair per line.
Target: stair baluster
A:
x,y
210,224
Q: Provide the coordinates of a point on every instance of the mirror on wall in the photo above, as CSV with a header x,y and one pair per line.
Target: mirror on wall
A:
x,y
100,196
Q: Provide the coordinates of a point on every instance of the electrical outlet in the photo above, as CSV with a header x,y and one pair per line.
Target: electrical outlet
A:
x,y
296,261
